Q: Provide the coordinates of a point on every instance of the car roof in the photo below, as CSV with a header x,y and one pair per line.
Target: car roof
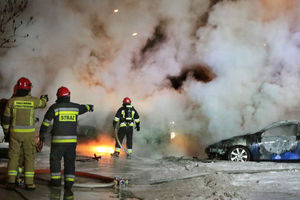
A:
x,y
280,123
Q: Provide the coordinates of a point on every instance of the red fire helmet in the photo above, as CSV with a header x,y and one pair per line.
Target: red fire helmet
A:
x,y
127,100
23,83
63,92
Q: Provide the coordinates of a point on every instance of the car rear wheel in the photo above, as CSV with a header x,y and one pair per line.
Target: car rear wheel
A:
x,y
239,154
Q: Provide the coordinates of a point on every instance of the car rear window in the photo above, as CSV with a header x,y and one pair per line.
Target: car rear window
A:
x,y
284,130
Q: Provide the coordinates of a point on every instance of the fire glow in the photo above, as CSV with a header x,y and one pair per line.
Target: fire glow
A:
x,y
103,145
172,135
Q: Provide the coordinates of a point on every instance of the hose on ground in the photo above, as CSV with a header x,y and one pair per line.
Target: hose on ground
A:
x,y
110,180
125,150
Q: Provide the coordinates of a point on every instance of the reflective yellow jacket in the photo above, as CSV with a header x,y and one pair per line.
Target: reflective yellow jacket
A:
x,y
19,113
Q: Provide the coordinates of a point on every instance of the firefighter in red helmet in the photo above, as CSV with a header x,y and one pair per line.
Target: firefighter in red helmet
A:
x,y
19,121
64,115
6,138
126,116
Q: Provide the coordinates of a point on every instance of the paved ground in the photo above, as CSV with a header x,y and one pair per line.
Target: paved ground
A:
x,y
174,178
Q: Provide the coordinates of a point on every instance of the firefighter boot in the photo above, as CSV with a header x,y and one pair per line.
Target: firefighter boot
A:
x,y
20,177
68,195
55,182
55,194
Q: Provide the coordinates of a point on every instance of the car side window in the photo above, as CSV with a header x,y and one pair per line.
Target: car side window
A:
x,y
284,130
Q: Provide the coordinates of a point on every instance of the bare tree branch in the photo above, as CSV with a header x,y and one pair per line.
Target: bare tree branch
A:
x,y
10,10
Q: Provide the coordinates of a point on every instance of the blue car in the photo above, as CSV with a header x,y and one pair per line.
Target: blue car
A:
x,y
278,141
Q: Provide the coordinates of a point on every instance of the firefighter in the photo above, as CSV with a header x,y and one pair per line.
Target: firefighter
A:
x,y
6,139
64,136
18,120
127,116
3,103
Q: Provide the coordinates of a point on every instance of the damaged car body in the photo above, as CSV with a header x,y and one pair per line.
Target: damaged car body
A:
x,y
278,141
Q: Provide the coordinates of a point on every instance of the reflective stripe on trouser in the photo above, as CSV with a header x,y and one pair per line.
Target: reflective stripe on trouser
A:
x,y
55,175
125,131
29,174
68,152
64,139
117,149
70,177
12,172
21,141
20,170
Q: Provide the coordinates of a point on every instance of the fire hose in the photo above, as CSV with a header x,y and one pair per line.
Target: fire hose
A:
x,y
125,150
112,181
117,138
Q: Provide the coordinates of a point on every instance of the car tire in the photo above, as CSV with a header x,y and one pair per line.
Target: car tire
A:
x,y
239,154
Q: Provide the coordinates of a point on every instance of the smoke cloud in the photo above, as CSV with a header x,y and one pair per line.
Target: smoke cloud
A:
x,y
216,68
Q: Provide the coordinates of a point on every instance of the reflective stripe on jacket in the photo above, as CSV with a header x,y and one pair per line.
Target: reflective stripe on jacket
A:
x,y
64,116
133,116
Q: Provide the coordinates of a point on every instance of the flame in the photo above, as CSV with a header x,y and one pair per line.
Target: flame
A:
x,y
103,149
103,145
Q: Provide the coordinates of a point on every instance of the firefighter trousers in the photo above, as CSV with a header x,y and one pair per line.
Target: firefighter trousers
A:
x,y
68,152
128,132
21,142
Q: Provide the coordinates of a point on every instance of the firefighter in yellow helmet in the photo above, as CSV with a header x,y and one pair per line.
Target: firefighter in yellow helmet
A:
x,y
18,120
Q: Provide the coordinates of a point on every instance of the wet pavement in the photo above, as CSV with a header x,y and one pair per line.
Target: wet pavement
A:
x,y
169,178
43,192
121,168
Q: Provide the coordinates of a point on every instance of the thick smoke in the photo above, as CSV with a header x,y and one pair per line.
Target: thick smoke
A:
x,y
216,68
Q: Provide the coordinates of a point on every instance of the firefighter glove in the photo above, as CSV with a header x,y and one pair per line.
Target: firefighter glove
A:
x,y
90,108
45,96
137,127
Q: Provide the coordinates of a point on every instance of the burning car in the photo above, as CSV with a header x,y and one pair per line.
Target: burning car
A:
x,y
278,141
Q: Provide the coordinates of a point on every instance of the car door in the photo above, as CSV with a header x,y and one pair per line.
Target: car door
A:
x,y
280,143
